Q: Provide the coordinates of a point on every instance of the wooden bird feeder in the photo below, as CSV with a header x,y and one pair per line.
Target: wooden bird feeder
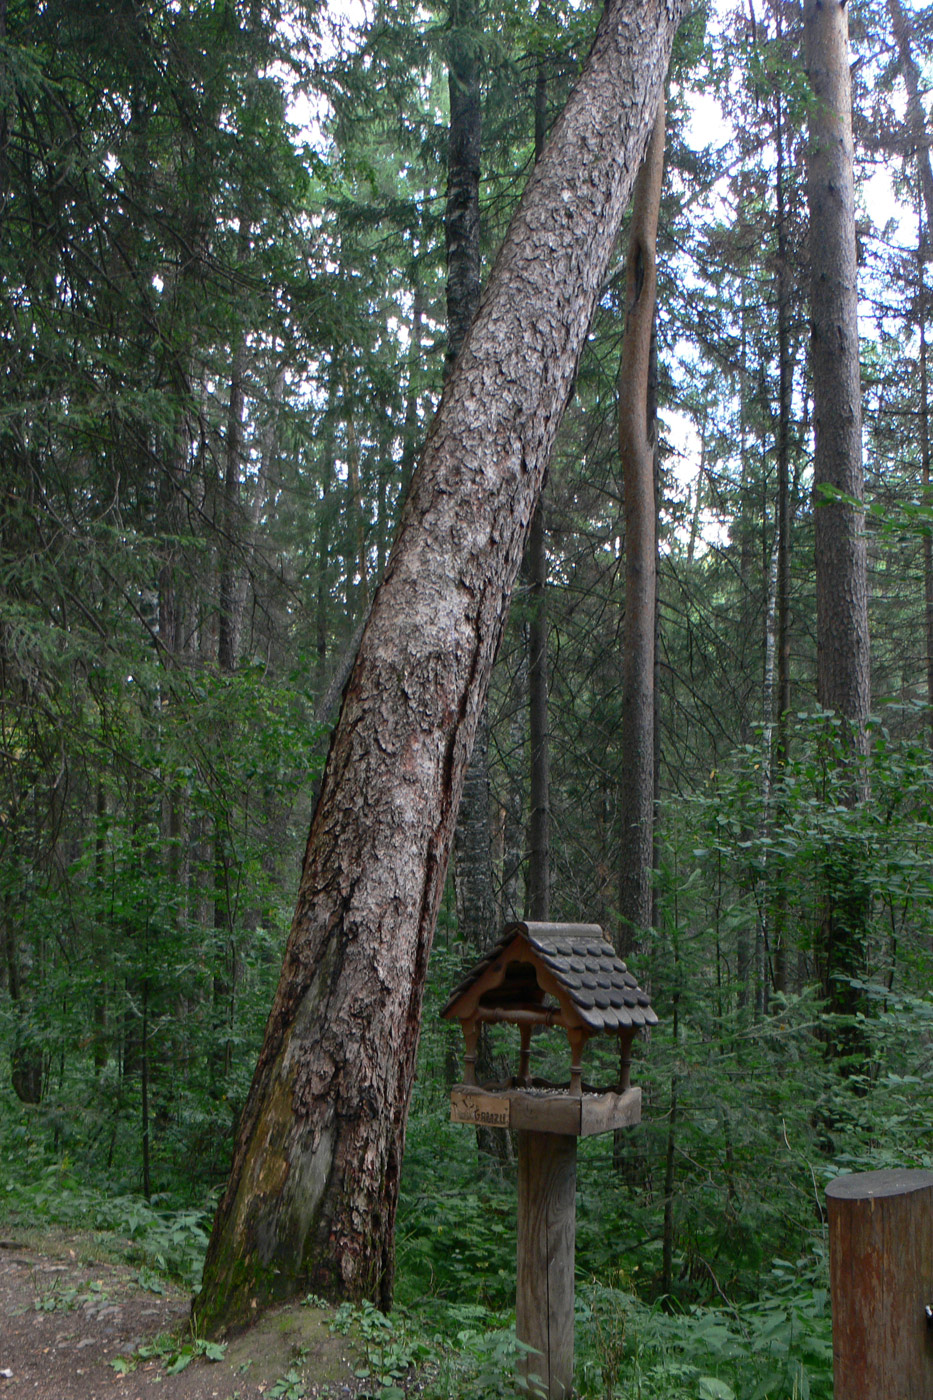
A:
x,y
539,976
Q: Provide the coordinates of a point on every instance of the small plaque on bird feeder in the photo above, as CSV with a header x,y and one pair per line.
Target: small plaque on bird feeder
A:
x,y
538,976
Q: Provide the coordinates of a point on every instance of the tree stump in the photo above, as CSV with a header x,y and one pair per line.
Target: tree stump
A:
x,y
881,1275
547,1184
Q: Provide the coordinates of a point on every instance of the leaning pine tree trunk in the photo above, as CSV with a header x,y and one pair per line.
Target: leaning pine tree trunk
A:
x,y
311,1199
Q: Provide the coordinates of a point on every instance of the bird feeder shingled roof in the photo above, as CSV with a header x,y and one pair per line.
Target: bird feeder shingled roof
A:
x,y
574,963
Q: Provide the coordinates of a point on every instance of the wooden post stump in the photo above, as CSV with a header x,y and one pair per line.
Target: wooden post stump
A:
x,y
881,1275
547,1184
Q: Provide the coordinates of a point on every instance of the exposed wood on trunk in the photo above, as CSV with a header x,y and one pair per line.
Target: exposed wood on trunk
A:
x,y
539,786
636,448
313,1188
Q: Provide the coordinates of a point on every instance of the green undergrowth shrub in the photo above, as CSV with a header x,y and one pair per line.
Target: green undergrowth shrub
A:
x,y
160,1234
778,1348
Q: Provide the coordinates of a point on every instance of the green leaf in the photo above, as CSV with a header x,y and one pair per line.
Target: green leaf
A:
x,y
713,1389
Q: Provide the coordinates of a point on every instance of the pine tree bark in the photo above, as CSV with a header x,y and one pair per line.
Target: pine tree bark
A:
x,y
313,1188
840,555
636,449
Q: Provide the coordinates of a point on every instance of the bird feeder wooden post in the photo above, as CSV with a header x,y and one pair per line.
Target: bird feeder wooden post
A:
x,y
537,976
881,1277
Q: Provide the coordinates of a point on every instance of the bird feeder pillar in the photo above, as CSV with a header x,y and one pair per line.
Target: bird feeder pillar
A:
x,y
541,976
544,1313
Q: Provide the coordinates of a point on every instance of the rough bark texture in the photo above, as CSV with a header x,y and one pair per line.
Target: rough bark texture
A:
x,y
312,1194
840,556
636,448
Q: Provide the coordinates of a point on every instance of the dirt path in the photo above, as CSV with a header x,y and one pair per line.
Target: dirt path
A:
x,y
65,1320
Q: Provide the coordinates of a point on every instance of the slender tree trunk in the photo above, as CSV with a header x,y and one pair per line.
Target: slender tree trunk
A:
x,y
744,951
513,902
410,429
636,447
539,786
473,842
144,1090
916,117
777,757
925,471
771,929
227,621
461,224
668,1229
473,876
323,564
473,866
313,1188
697,510
268,448
356,522
840,556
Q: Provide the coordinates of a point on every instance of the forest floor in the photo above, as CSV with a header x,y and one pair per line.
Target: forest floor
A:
x,y
78,1323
